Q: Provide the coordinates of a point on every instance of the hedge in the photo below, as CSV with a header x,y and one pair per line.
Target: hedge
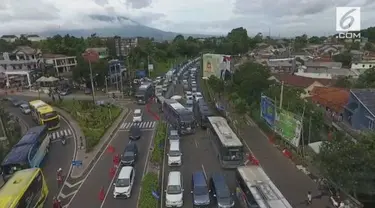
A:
x,y
158,150
149,183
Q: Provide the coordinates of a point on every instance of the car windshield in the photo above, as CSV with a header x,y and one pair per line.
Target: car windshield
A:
x,y
122,182
200,190
25,106
49,115
174,189
137,114
174,153
189,103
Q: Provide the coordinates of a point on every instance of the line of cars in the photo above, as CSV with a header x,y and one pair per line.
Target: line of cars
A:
x,y
124,183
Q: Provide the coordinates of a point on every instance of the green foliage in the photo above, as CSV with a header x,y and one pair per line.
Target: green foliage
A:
x,y
159,139
94,120
345,58
9,128
366,80
150,182
99,71
344,82
349,164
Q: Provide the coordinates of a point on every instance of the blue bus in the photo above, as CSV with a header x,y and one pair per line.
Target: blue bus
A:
x,y
29,152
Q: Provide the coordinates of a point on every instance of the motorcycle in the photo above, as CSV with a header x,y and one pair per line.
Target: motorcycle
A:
x,y
63,140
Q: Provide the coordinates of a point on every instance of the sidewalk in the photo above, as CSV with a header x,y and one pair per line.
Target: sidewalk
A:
x,y
80,153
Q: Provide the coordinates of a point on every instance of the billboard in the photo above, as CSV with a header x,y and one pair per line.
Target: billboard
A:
x,y
267,110
286,124
217,65
289,126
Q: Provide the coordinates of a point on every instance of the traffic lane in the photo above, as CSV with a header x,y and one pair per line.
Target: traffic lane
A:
x,y
17,112
143,145
282,171
87,195
147,116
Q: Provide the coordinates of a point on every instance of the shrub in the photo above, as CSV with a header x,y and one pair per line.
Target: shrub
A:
x,y
94,120
149,183
160,135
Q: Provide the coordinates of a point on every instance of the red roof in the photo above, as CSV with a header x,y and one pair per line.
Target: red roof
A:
x,y
330,97
298,81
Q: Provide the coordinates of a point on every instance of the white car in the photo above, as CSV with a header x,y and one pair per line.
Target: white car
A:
x,y
189,95
124,183
193,82
137,115
25,108
198,96
175,191
174,154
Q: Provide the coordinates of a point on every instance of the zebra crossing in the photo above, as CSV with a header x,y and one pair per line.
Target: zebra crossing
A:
x,y
142,125
60,133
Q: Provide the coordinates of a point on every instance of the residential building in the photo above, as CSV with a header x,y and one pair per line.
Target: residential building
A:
x,y
324,70
331,98
361,67
359,112
103,52
368,56
9,38
61,63
116,69
286,65
124,45
34,38
305,83
19,65
357,55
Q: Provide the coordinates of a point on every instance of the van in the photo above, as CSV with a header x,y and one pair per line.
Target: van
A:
x,y
174,154
175,191
124,183
220,191
137,115
200,191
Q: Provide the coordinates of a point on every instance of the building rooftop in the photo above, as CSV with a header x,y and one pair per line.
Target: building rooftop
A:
x,y
27,50
8,36
52,56
330,97
298,81
366,97
323,64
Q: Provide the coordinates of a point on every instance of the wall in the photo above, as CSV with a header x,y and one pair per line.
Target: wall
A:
x,y
359,120
364,65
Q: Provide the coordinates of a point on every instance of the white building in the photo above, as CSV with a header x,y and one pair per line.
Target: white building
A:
x,y
19,65
61,63
9,38
34,38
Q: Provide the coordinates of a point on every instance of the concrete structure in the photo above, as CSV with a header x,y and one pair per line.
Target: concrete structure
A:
x,y
123,45
9,38
34,38
61,63
116,69
19,64
103,52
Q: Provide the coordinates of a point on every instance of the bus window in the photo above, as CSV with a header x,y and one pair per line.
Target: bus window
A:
x,y
49,115
32,194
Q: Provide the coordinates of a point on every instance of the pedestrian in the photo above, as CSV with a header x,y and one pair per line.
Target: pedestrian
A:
x,y
309,197
54,202
59,177
342,205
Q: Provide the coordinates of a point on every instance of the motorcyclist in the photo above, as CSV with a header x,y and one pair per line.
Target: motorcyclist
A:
x,y
63,139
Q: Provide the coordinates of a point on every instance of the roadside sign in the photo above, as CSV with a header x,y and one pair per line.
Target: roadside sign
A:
x,y
77,163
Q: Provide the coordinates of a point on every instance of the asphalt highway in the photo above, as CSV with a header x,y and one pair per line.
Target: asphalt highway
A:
x,y
59,156
99,177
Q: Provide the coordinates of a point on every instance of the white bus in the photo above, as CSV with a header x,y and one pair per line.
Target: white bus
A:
x,y
229,147
255,189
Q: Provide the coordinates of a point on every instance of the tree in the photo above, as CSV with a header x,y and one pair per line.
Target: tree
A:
x,y
369,47
344,82
345,58
366,80
239,40
350,165
216,84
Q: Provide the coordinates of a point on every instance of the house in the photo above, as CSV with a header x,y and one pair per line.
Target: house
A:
x,y
9,38
359,112
356,55
123,45
286,65
305,83
103,52
329,49
331,98
368,56
61,63
363,65
324,73
34,38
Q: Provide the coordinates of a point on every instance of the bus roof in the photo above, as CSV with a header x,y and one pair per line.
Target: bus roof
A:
x,y
224,132
15,186
266,194
37,103
177,106
20,152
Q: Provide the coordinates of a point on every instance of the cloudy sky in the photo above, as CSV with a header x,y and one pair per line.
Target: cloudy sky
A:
x,y
281,17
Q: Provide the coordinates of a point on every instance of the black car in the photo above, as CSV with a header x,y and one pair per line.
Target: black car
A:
x,y
135,132
130,154
220,191
16,102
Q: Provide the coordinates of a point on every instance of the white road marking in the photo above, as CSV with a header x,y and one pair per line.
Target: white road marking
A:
x,y
204,171
162,177
109,187
142,125
95,163
66,196
72,185
196,143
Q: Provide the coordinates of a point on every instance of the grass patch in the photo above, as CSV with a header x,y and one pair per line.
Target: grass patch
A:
x,y
160,136
94,120
150,183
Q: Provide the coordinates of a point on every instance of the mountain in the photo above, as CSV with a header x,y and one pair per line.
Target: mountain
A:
x,y
119,26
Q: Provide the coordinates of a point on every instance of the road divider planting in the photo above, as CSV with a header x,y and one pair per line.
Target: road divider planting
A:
x,y
94,120
159,139
150,184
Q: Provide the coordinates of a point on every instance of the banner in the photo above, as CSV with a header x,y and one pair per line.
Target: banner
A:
x,y
217,65
289,126
267,111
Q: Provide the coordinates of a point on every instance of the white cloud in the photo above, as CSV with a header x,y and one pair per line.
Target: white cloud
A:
x,y
281,17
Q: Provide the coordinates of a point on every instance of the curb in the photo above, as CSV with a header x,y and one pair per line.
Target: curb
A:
x,y
103,146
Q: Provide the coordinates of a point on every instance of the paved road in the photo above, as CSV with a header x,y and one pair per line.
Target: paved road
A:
x,y
99,177
60,156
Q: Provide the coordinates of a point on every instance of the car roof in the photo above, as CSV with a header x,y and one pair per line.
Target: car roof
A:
x,y
24,105
137,111
175,145
219,181
199,178
174,178
125,172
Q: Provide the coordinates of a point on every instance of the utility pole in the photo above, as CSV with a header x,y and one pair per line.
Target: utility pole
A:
x,y
92,83
122,87
106,84
281,94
